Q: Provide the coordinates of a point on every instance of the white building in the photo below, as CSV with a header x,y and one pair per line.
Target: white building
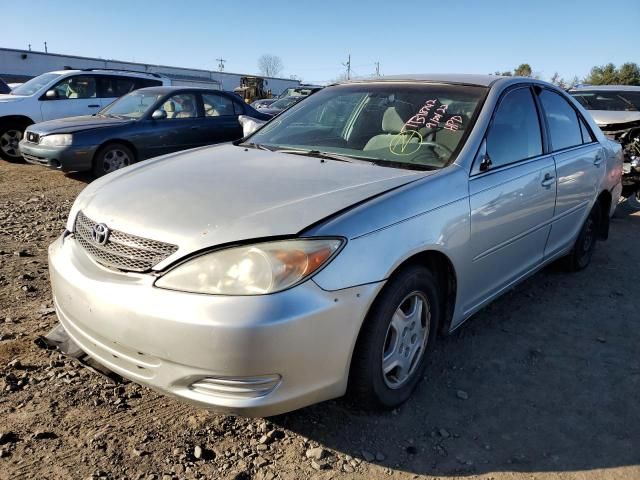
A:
x,y
21,65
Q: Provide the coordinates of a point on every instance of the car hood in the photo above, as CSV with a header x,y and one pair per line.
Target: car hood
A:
x,y
609,117
7,97
77,124
216,195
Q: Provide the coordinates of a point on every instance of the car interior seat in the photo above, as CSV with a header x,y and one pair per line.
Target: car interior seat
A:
x,y
392,126
170,108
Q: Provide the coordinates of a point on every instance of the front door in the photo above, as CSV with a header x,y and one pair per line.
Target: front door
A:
x,y
511,200
220,122
75,95
181,129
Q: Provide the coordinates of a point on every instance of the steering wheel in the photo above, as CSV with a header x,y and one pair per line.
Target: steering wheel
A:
x,y
438,146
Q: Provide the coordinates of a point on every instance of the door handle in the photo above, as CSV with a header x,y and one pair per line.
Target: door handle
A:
x,y
94,106
599,159
548,180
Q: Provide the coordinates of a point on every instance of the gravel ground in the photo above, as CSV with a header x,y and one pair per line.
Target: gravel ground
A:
x,y
544,383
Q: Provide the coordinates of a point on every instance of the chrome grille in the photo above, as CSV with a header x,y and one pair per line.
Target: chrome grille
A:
x,y
121,250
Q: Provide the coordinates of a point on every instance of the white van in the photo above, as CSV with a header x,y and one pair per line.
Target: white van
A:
x,y
65,93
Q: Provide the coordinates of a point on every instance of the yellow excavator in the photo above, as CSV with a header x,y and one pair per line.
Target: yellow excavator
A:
x,y
252,88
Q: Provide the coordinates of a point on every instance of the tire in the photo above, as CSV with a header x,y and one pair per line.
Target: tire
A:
x,y
10,134
582,251
111,157
373,383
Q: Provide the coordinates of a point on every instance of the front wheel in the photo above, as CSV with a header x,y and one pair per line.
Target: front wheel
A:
x,y
10,136
112,157
395,339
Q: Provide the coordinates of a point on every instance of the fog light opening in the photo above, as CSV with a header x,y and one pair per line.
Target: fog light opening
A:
x,y
237,387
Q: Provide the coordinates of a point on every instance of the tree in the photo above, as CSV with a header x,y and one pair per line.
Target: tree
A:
x,y
556,79
523,70
629,74
603,75
270,65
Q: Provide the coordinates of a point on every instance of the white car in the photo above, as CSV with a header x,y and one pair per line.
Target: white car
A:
x,y
65,93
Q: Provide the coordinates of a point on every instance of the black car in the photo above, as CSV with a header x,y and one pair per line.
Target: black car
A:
x,y
281,105
4,88
144,123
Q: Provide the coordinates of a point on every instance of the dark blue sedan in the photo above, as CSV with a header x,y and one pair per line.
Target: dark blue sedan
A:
x,y
143,124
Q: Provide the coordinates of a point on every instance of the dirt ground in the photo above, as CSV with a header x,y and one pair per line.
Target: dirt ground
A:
x,y
544,383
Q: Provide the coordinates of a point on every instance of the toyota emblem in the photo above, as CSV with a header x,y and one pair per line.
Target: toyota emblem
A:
x,y
100,233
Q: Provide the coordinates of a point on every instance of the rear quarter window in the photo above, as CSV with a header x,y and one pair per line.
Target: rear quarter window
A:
x,y
562,119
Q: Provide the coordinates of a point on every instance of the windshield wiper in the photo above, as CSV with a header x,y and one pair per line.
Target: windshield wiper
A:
x,y
326,155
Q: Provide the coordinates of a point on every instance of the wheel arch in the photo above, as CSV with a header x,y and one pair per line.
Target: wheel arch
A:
x,y
122,141
604,202
16,118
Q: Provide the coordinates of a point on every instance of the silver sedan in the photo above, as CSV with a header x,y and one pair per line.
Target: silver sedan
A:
x,y
325,252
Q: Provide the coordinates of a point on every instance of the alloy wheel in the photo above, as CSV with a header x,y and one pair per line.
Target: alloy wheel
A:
x,y
9,143
406,339
115,159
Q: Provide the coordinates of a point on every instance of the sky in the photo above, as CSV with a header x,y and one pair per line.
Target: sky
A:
x,y
313,39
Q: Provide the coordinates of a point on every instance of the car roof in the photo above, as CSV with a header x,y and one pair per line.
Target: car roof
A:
x,y
164,89
461,78
106,71
606,88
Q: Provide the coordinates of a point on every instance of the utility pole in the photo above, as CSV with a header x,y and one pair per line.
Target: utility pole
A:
x,y
45,47
377,64
29,47
348,65
220,64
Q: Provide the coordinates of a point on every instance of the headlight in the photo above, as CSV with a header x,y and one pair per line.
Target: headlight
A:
x,y
56,140
252,270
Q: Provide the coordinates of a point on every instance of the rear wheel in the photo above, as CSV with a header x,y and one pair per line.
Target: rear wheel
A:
x,y
580,256
10,136
112,157
398,333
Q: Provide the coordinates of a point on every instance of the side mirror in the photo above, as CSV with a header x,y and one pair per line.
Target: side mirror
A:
x,y
249,124
51,94
159,114
483,159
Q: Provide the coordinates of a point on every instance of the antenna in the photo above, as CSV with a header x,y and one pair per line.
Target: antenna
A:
x,y
45,47
377,64
220,64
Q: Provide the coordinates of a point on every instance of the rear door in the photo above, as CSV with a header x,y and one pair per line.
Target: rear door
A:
x,y
580,168
511,196
220,121
75,95
112,87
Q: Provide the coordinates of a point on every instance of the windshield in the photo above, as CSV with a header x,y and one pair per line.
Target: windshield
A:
x,y
609,100
394,124
35,84
132,105
284,102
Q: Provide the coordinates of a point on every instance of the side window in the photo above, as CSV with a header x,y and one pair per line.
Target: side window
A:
x,y
217,105
144,82
564,128
181,105
587,136
514,134
238,108
76,87
114,87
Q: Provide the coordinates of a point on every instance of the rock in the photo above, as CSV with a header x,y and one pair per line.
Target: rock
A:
x,y
319,465
4,453
368,456
316,453
264,439
444,433
348,468
462,395
44,435
15,363
260,462
198,452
